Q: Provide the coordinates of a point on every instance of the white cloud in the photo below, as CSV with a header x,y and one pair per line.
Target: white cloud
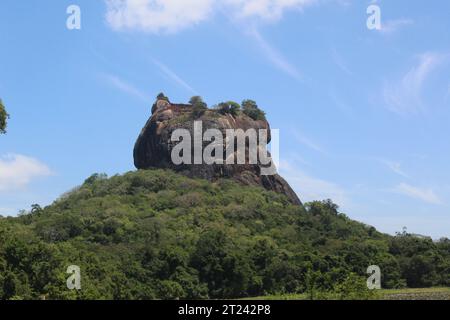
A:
x,y
310,188
168,16
395,167
301,138
17,171
343,106
173,76
404,96
392,26
339,61
125,87
426,195
274,55
156,16
268,10
171,16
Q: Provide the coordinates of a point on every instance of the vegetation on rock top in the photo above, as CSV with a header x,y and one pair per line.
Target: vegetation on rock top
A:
x,y
249,108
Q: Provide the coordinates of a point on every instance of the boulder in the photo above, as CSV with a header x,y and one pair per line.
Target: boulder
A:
x,y
153,147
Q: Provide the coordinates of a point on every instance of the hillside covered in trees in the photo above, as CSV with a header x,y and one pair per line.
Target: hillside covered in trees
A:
x,y
155,234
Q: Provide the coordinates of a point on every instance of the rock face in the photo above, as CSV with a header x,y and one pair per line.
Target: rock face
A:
x,y
153,147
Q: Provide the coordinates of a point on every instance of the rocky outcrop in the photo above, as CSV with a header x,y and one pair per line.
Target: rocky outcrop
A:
x,y
153,147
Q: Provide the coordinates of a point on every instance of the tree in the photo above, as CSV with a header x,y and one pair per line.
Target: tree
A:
x,y
96,177
196,100
352,288
198,106
224,269
229,107
36,210
249,104
156,234
198,110
251,109
3,117
10,284
162,96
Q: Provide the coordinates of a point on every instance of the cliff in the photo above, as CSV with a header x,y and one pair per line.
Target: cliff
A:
x,y
153,148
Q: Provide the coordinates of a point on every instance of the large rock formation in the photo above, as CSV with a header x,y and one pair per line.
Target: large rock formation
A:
x,y
153,148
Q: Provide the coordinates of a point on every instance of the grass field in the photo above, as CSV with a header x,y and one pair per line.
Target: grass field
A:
x,y
417,294
385,294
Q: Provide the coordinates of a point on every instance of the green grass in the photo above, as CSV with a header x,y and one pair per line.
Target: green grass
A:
x,y
280,297
417,294
399,294
415,290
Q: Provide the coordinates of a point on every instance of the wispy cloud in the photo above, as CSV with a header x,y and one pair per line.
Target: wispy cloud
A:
x,y
173,76
338,102
404,96
310,188
339,61
394,166
273,55
301,138
124,86
157,16
267,10
169,16
17,171
426,195
391,26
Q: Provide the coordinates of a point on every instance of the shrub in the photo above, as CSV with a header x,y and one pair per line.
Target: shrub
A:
x,y
198,106
229,107
250,108
248,104
198,110
3,117
353,287
162,96
196,100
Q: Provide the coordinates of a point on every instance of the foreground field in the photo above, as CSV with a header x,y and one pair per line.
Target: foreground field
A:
x,y
393,294
417,294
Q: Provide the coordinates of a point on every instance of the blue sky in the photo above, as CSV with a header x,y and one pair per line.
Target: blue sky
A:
x,y
363,114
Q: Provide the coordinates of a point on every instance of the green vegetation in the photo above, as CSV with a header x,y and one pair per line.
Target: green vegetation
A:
x,y
251,109
416,294
162,96
352,287
383,294
199,107
3,117
184,118
156,234
229,107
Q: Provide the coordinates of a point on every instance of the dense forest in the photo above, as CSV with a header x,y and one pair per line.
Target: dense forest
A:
x,y
156,234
